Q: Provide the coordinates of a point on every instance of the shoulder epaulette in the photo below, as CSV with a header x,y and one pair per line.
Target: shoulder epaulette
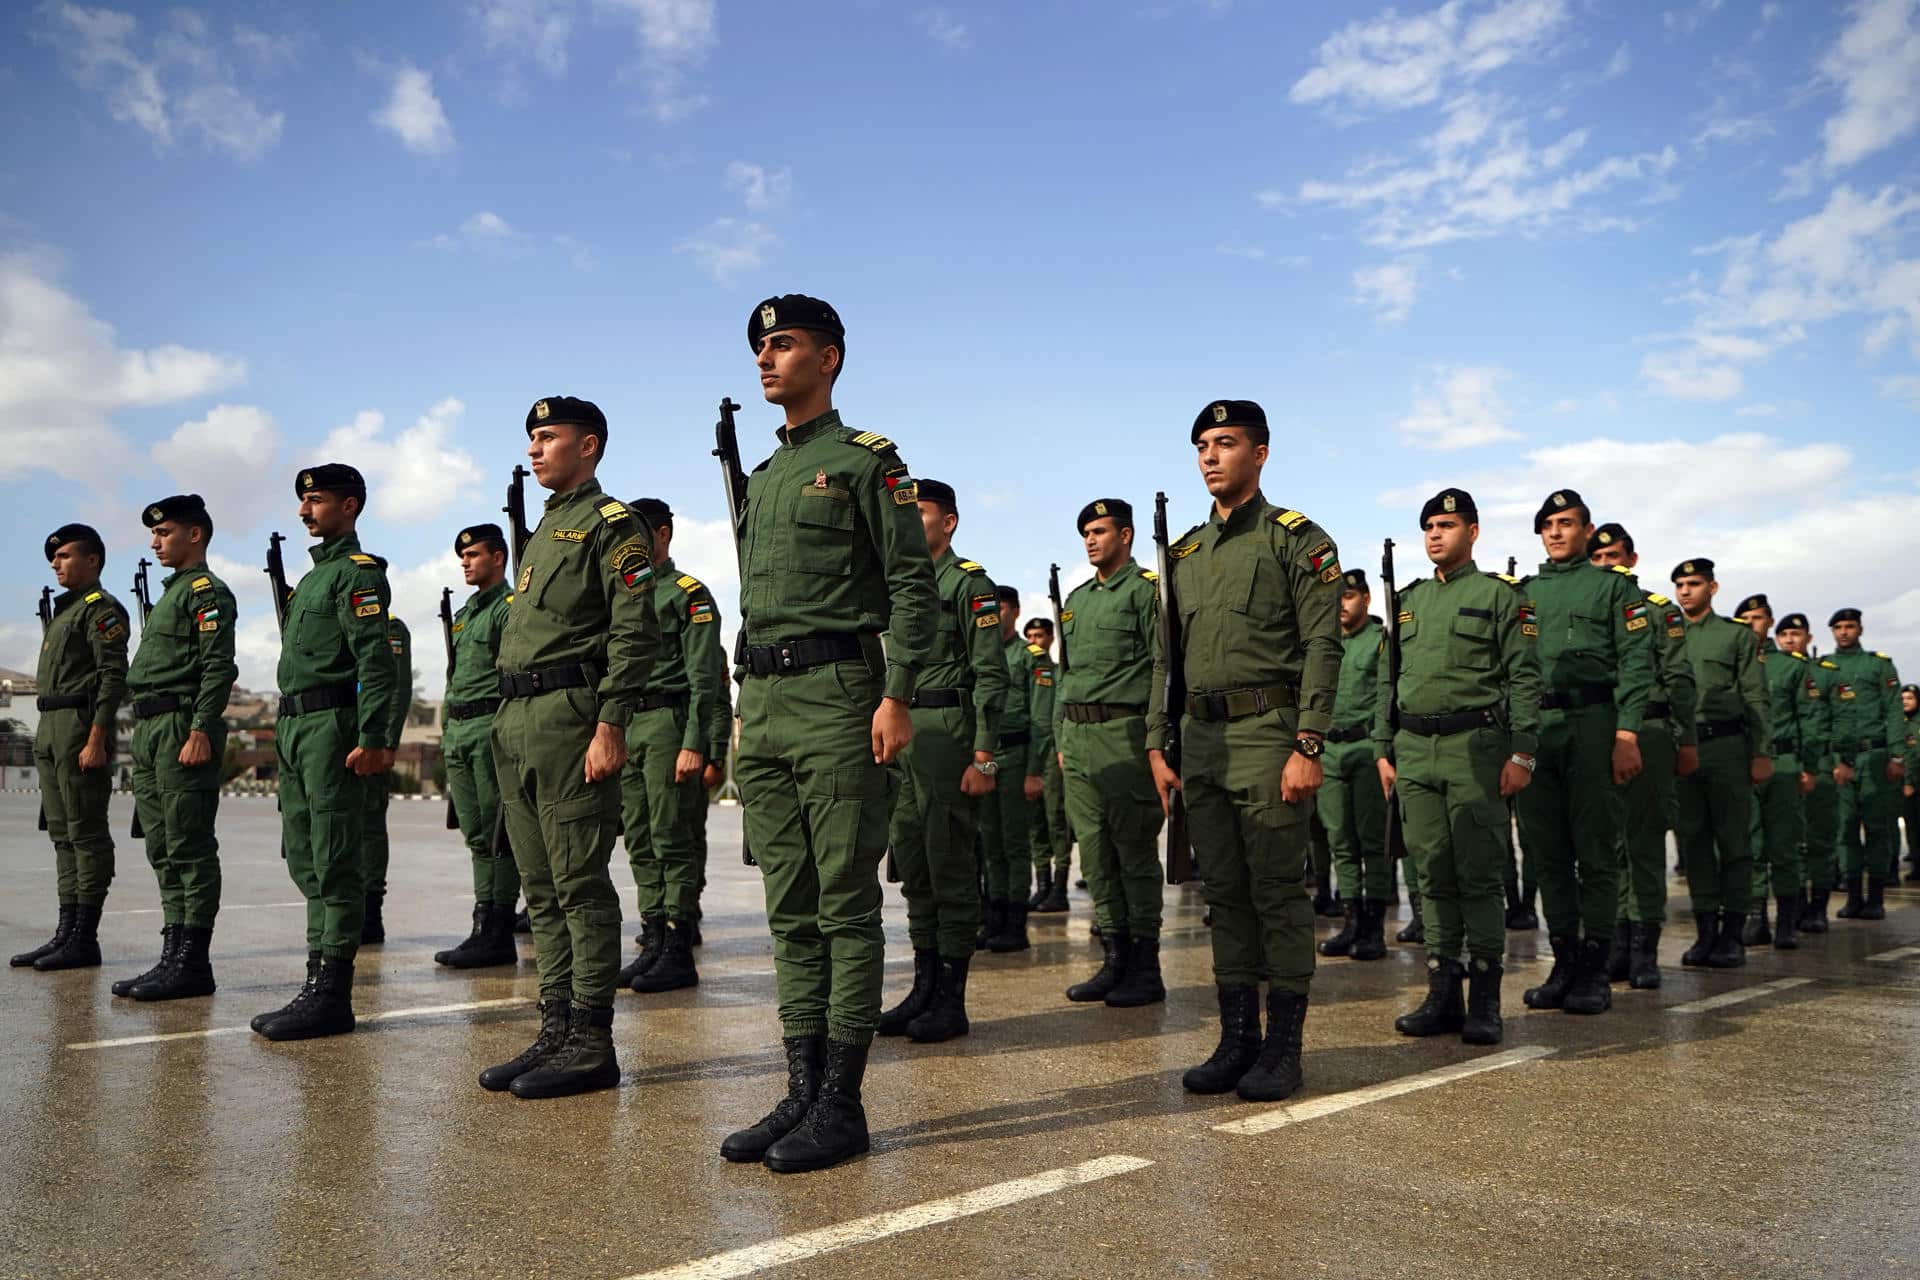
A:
x,y
1621,569
1654,597
1150,575
1038,651
1829,664
1507,578
871,440
1883,657
201,584
688,583
91,596
1289,520
613,511
1800,657
364,561
509,597
971,566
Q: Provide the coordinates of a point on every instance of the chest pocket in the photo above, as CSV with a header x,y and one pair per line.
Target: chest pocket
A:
x,y
823,531
1114,636
1589,633
1473,639
546,588
317,624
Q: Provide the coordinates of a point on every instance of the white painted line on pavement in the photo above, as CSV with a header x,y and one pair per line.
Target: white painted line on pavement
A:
x,y
1898,953
225,906
389,1016
1741,996
1314,1108
878,1226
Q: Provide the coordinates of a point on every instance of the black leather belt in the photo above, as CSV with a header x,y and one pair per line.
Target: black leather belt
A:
x,y
798,655
1018,738
938,698
1235,703
528,684
1584,695
1352,733
1099,712
1872,744
472,710
309,700
1657,711
158,705
1708,730
654,701
63,702
1452,722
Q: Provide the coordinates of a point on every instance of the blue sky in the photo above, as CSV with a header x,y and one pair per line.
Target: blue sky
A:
x,y
1669,256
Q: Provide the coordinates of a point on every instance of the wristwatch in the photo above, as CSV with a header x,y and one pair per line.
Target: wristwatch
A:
x,y
1525,762
1309,746
988,767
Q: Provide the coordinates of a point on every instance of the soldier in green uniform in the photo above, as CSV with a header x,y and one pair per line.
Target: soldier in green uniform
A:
x,y
579,644
1735,732
669,742
1597,671
719,750
1822,804
1455,742
832,555
1100,733
337,690
178,687
1047,830
376,848
1777,822
1909,803
947,774
1669,749
1869,735
1026,744
466,743
1258,592
82,679
1350,804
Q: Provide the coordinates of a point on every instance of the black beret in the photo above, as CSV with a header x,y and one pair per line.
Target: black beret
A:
x,y
1558,500
792,311
479,533
330,477
1009,595
1839,615
1449,502
1753,603
570,411
181,508
939,492
1039,620
83,533
1118,508
1228,413
1793,622
654,511
1355,580
1611,534
1698,567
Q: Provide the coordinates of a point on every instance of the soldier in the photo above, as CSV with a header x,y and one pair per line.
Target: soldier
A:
x,y
1047,829
1351,804
82,679
1257,587
466,743
579,644
1026,744
947,773
1868,734
832,554
1467,713
337,690
1597,673
1822,803
376,848
1715,802
669,742
1777,825
1910,805
179,684
1669,749
1100,735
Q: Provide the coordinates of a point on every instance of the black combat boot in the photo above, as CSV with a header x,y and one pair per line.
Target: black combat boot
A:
x,y
324,1006
81,950
1814,918
1727,951
1341,943
926,968
1326,901
1590,992
806,1061
1707,923
169,939
1483,1024
1644,970
61,931
1755,932
1056,899
1013,930
674,969
260,1020
693,932
835,1126
1239,1043
1416,931
1141,983
373,927
1275,1074
1874,908
1521,917
490,943
555,1018
651,938
945,1017
1552,993
1620,961
1370,943
1856,901
583,1063
1785,931
522,922
1442,1010
1042,886
188,973
993,921
1112,967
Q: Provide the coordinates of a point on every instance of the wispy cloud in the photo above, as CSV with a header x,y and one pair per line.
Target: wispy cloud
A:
x,y
415,475
413,114
538,30
759,187
1876,65
1688,19
1389,289
944,28
729,248
1462,409
1391,61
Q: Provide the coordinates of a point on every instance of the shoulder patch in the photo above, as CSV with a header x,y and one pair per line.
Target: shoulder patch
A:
x,y
971,566
1289,520
613,511
1181,553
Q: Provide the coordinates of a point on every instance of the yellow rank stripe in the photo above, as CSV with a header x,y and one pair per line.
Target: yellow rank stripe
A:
x,y
1654,597
687,582
872,440
357,558
1150,575
91,597
201,584
1289,520
971,566
612,509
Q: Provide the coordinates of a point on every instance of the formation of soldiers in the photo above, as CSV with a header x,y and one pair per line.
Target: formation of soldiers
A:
x,y
1238,697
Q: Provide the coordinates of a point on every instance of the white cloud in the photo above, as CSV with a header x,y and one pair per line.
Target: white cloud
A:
x,y
538,29
1619,64
228,457
1392,61
1389,290
63,373
1759,409
413,114
674,36
1733,129
180,84
1463,410
485,230
729,247
1876,64
415,475
1905,385
1686,21
759,187
945,29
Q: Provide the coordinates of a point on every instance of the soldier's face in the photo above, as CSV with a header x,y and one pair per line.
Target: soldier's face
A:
x,y
1449,538
1353,608
1846,634
74,566
1040,636
1229,462
1909,701
1695,594
794,365
1564,535
561,455
939,525
1107,543
1760,620
326,514
1794,639
175,544
482,564
1613,553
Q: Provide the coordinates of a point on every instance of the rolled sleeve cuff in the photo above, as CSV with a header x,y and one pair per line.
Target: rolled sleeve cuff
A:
x,y
372,742
616,713
1315,722
1526,744
103,716
900,682
1629,722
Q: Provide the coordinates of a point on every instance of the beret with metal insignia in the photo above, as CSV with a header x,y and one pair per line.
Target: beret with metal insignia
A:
x,y
1844,615
1558,500
1612,534
1756,603
1793,622
654,511
1118,508
1228,413
1698,567
1355,580
568,411
481,533
330,477
940,492
84,534
792,311
1450,502
181,508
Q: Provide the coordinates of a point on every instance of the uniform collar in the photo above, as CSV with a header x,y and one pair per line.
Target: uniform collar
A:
x,y
487,596
794,437
1768,646
334,548
1241,516
1572,566
66,598
1119,576
665,569
945,558
1467,569
588,488
1847,648
177,574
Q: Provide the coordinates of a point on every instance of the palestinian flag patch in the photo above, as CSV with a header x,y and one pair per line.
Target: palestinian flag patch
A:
x,y
1319,556
700,611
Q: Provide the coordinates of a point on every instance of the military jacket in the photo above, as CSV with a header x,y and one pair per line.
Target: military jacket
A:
x,y
1467,642
1590,620
400,644
831,542
1111,639
1866,703
585,595
1359,689
187,646
476,645
1673,681
1799,713
85,651
1913,750
337,635
1029,708
966,651
1826,686
692,660
1733,685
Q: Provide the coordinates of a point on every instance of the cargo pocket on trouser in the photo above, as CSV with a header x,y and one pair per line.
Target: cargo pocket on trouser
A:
x,y
334,884
579,833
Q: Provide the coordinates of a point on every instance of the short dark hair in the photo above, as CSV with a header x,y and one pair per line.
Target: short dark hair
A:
x,y
1010,596
1040,621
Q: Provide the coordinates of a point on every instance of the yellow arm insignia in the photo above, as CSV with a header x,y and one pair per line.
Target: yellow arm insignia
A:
x,y
1289,520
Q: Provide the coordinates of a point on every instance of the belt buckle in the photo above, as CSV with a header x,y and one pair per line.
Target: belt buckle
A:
x,y
1260,705
534,682
784,658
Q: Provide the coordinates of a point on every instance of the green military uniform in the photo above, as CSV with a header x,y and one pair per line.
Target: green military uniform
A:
x,y
1821,850
1910,793
719,750
1777,827
1049,834
466,742
1350,802
1026,745
376,847
1869,729
1650,800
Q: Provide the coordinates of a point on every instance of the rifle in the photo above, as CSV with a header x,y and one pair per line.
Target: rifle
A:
x,y
1396,833
1180,868
144,598
46,625
1512,564
446,633
518,536
277,579
1059,622
733,478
